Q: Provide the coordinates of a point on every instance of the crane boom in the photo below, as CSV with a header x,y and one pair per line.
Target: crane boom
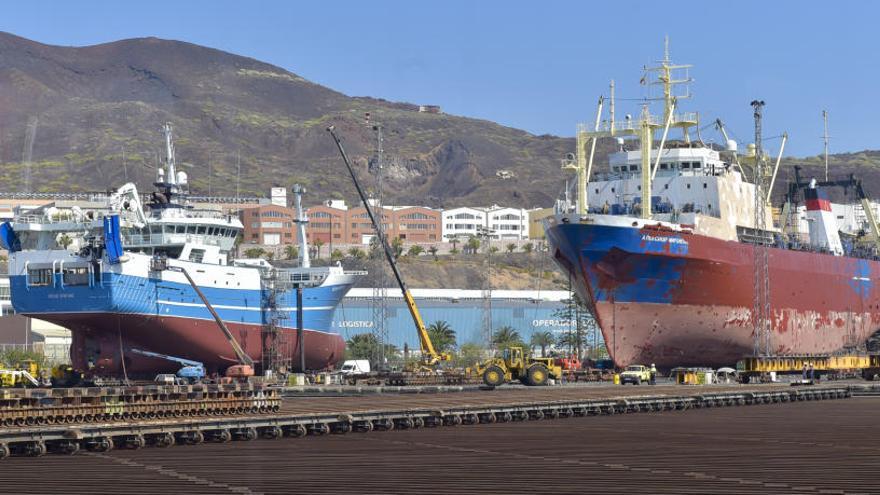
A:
x,y
242,356
429,353
183,361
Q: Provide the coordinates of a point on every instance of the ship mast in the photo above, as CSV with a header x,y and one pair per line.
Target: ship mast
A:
x,y
171,174
825,138
668,75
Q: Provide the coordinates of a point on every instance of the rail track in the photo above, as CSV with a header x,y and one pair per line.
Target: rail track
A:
x,y
828,446
74,406
298,418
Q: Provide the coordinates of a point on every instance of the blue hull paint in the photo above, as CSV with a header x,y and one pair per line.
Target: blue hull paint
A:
x,y
649,265
131,295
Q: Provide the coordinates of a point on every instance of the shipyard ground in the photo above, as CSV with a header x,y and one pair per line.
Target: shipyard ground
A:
x,y
825,446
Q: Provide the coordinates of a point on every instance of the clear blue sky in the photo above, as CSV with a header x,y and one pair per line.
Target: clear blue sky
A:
x,y
537,66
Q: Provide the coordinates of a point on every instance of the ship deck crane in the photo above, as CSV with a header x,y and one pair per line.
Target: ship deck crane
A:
x,y
192,370
430,356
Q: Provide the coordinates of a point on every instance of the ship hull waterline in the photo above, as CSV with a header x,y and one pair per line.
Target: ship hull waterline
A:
x,y
678,299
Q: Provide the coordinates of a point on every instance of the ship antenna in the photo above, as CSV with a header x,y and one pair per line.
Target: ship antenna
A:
x,y
825,138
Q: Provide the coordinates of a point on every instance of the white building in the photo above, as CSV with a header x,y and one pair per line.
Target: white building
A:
x,y
500,222
462,222
508,223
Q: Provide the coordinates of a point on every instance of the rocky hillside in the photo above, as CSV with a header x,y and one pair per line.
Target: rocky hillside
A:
x,y
95,113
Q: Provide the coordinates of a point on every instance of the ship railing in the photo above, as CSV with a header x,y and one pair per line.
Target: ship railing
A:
x,y
96,218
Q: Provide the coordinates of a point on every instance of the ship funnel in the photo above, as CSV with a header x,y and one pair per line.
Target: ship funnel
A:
x,y
731,145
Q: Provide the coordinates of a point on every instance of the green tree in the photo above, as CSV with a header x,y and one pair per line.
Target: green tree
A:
x,y
317,243
254,252
336,255
367,346
492,249
543,340
528,247
433,251
583,331
454,242
415,250
442,336
507,336
64,241
375,247
397,247
453,251
357,253
291,252
472,245
270,255
511,248
468,355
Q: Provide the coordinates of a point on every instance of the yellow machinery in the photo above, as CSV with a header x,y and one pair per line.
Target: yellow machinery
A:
x,y
760,367
24,373
430,356
515,365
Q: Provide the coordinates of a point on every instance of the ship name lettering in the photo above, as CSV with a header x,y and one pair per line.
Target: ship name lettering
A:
x,y
670,240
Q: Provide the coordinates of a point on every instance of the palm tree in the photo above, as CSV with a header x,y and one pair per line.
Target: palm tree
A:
x,y
357,253
415,250
397,246
543,340
433,251
442,336
511,248
507,336
336,255
291,252
528,247
317,243
472,245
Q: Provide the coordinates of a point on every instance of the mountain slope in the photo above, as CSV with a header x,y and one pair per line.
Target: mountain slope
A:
x,y
94,104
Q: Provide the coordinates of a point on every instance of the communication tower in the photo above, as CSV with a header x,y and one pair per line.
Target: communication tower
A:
x,y
380,292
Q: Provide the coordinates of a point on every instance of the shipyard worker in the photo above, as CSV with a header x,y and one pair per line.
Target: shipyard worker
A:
x,y
653,374
812,372
805,371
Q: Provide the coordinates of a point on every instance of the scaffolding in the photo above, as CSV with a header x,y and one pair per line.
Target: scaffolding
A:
x,y
278,344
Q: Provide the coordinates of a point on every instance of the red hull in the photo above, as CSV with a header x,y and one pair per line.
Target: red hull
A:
x,y
678,299
100,340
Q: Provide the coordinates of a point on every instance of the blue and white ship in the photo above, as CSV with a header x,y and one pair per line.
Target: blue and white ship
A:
x,y
93,271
